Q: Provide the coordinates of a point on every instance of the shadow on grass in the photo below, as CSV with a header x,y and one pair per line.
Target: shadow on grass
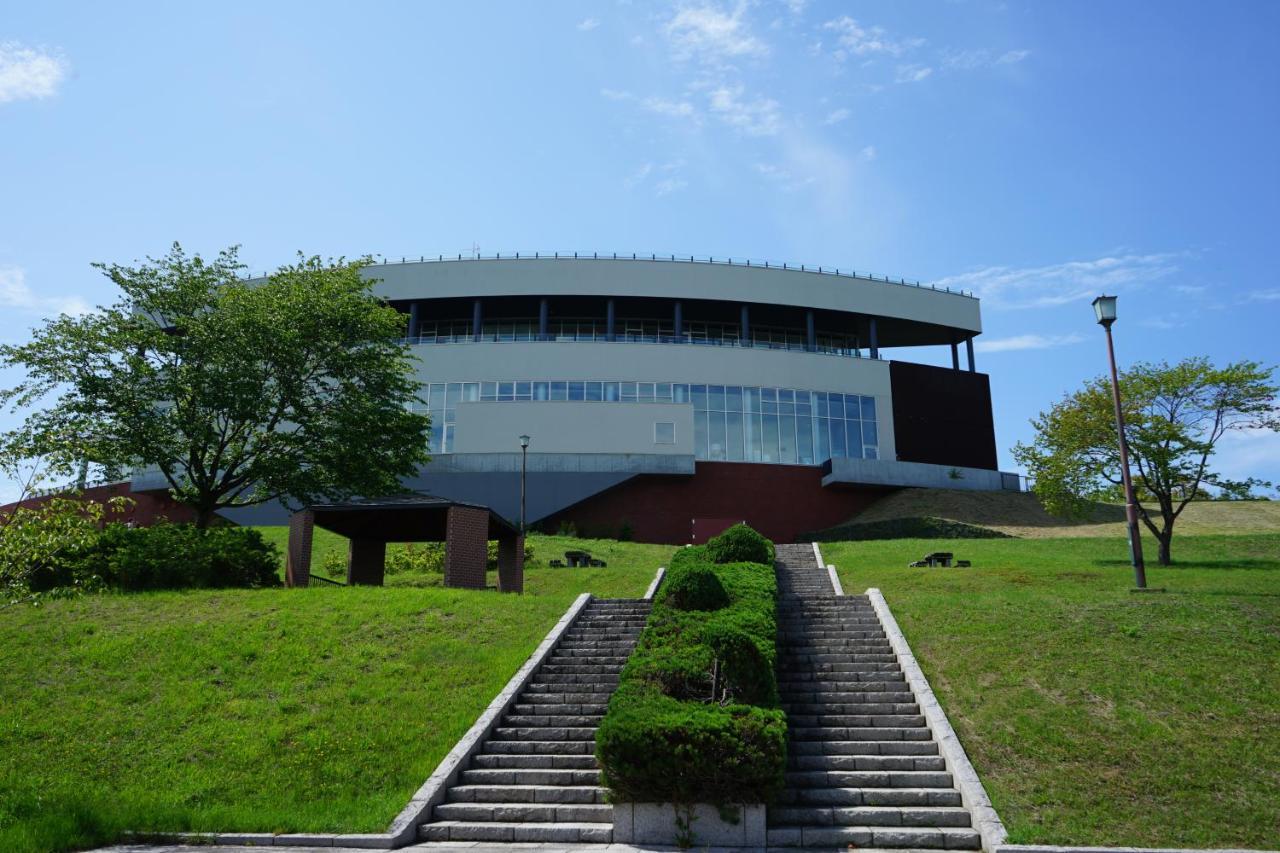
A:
x,y
1263,565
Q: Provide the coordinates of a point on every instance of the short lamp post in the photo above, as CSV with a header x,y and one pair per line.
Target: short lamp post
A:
x,y
524,465
1105,309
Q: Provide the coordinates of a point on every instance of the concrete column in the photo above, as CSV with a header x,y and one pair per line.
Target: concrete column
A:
x,y
955,356
679,321
477,320
744,322
415,319
511,563
544,312
466,547
297,564
366,562
810,333
610,322
874,339
968,348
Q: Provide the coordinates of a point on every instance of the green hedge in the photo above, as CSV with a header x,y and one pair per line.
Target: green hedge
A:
x,y
695,716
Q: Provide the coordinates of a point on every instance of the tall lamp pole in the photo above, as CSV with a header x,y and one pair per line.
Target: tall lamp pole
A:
x,y
1104,307
524,464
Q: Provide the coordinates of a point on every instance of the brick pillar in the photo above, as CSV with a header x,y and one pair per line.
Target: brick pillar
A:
x,y
297,563
366,562
466,547
511,563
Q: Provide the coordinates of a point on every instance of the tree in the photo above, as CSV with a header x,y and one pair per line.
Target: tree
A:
x,y
1175,415
235,392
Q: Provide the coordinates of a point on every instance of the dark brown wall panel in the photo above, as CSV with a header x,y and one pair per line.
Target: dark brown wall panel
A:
x,y
942,416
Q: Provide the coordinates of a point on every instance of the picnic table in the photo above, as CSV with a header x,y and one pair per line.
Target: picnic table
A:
x,y
577,558
939,558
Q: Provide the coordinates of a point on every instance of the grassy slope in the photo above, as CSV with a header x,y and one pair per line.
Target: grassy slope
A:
x,y
277,710
1097,716
1020,514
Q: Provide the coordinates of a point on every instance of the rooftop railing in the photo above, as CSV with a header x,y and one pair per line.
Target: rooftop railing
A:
x,y
382,260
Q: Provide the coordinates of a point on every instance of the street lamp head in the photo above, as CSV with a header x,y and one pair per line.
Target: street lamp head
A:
x,y
524,441
1105,309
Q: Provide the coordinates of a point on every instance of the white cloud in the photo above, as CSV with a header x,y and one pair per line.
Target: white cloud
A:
x,y
854,39
29,73
796,7
1269,295
837,116
713,36
968,60
868,154
1026,342
616,94
1011,56
666,186
783,178
1059,284
586,25
638,177
1190,289
665,107
912,73
754,117
16,293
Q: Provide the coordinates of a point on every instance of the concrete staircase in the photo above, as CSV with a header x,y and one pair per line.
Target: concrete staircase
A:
x,y
863,769
536,778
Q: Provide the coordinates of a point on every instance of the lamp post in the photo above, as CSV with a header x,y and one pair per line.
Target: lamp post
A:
x,y
524,463
1104,307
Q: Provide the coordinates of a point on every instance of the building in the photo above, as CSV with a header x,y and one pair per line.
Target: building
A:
x,y
665,397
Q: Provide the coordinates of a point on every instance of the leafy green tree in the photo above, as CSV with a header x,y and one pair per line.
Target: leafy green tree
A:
x,y
1175,415
235,392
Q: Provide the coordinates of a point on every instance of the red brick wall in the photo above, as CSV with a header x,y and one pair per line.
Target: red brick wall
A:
x,y
781,501
511,563
147,508
466,549
297,565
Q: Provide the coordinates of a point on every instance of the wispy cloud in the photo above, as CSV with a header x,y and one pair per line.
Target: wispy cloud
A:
x,y
752,116
667,174
711,35
15,293
853,39
586,25
837,116
1249,453
666,186
1059,284
667,107
912,73
29,73
1026,342
968,60
1271,294
868,153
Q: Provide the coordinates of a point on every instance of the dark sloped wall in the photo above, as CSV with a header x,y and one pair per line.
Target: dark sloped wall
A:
x,y
942,416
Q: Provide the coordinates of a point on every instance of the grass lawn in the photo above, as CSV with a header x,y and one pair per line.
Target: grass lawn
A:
x,y
273,710
1094,715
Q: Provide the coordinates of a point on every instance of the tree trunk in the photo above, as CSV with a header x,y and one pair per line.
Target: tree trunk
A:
x,y
204,518
1165,541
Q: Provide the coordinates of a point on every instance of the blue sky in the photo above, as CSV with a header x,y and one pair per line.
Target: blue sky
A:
x,y
1034,153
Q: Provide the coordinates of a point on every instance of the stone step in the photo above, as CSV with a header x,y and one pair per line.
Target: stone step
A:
x,y
532,721
521,812
559,689
920,732
579,668
540,747
854,778
579,795
945,838
553,733
803,722
577,678
862,747
580,699
806,677
557,833
817,692
805,709
839,662
530,777
498,761
536,709
870,797
921,816
866,762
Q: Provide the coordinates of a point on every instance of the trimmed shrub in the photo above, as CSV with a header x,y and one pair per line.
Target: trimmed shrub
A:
x,y
919,527
694,587
180,556
695,716
740,544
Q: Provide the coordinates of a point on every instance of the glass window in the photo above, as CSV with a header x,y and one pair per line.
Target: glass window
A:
x,y
769,442
715,434
664,433
754,450
453,393
524,390
699,394
700,435
506,391
804,440
577,390
715,398
611,392
595,391
662,392
786,439
471,391
837,438
751,397
488,391
542,390
447,447
871,453
680,393
435,396
644,392
734,437
559,390
868,408
769,401
803,406
435,437
853,440
821,397
733,398
869,433
628,390
822,440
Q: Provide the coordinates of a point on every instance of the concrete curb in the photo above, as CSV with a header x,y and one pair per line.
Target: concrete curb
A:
x,y
404,829
657,582
831,570
973,795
